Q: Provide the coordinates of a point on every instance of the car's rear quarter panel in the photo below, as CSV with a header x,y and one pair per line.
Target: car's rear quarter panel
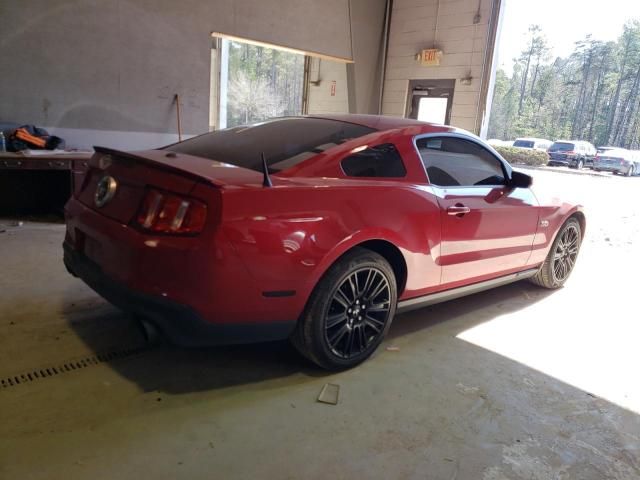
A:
x,y
289,236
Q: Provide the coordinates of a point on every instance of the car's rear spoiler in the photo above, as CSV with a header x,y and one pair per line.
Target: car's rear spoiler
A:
x,y
197,168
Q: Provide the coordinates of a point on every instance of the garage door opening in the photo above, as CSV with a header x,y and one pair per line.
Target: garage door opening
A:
x,y
571,75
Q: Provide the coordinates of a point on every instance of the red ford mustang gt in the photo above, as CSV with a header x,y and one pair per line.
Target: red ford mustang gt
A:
x,y
317,229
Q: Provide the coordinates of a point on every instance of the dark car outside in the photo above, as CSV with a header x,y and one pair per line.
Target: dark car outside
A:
x,y
573,153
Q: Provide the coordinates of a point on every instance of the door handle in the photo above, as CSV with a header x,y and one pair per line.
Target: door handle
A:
x,y
458,210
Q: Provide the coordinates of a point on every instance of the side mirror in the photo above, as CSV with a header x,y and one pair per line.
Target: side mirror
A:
x,y
520,180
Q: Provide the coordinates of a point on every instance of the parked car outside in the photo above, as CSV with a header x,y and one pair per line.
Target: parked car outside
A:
x,y
604,149
618,161
495,142
572,153
534,143
317,229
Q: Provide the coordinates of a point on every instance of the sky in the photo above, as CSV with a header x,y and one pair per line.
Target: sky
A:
x,y
563,22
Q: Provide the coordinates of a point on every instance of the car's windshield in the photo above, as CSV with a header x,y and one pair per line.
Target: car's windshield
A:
x,y
524,143
562,147
285,142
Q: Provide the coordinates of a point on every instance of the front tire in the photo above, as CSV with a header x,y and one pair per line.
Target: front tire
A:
x,y
561,258
349,311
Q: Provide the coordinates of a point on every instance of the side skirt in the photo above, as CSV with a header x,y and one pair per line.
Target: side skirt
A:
x,y
433,298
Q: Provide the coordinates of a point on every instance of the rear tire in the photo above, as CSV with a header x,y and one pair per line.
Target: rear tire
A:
x,y
561,258
349,311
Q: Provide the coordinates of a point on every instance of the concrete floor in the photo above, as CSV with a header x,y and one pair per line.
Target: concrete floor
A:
x,y
515,383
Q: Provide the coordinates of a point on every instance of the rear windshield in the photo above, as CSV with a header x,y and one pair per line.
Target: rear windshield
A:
x,y
523,143
285,142
561,147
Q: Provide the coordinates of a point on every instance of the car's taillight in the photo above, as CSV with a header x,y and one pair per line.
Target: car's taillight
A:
x,y
165,212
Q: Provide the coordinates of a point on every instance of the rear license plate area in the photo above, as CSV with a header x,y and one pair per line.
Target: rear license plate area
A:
x,y
87,245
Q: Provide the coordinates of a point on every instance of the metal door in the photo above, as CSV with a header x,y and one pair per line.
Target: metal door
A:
x,y
430,100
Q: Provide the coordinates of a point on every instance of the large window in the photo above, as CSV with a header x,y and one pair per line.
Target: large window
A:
x,y
452,162
284,142
251,83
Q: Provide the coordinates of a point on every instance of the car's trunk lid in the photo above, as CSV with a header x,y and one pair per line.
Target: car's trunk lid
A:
x,y
133,172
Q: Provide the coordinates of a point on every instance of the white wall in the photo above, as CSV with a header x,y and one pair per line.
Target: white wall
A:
x,y
413,28
114,65
321,100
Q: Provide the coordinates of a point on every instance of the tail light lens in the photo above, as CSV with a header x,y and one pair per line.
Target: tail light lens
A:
x,y
164,212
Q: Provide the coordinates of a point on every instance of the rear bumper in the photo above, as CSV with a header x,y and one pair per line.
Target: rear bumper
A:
x,y
179,323
562,162
611,168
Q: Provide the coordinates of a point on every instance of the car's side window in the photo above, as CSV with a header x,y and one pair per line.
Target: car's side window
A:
x,y
453,162
379,161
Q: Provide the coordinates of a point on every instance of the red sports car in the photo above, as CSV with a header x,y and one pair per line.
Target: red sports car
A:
x,y
318,229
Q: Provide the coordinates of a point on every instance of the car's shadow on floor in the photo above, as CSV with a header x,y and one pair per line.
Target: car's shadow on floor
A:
x,y
165,368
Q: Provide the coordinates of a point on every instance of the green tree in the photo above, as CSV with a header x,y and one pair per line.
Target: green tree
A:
x,y
593,94
263,83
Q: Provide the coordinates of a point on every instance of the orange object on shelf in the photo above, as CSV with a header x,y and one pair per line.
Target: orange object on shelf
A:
x,y
22,134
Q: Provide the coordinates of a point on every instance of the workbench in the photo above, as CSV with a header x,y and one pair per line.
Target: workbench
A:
x,y
37,184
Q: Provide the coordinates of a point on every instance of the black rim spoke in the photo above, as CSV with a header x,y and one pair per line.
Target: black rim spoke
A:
x,y
373,326
341,298
379,307
358,312
361,338
337,336
334,320
350,338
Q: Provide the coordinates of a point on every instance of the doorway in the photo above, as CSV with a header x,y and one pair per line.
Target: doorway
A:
x,y
430,100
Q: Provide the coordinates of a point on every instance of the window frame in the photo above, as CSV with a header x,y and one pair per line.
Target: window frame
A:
x,y
506,168
368,147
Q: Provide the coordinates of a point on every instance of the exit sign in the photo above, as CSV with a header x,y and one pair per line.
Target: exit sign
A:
x,y
429,57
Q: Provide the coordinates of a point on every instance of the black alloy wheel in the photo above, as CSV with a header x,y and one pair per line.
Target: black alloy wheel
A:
x,y
358,312
562,256
349,311
566,253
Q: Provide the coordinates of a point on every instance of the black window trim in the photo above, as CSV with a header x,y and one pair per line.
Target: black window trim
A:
x,y
506,168
370,147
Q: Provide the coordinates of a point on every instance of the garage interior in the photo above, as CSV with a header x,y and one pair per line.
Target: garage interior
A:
x,y
512,383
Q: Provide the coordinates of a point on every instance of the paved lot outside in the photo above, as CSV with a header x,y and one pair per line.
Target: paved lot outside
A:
x,y
514,383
